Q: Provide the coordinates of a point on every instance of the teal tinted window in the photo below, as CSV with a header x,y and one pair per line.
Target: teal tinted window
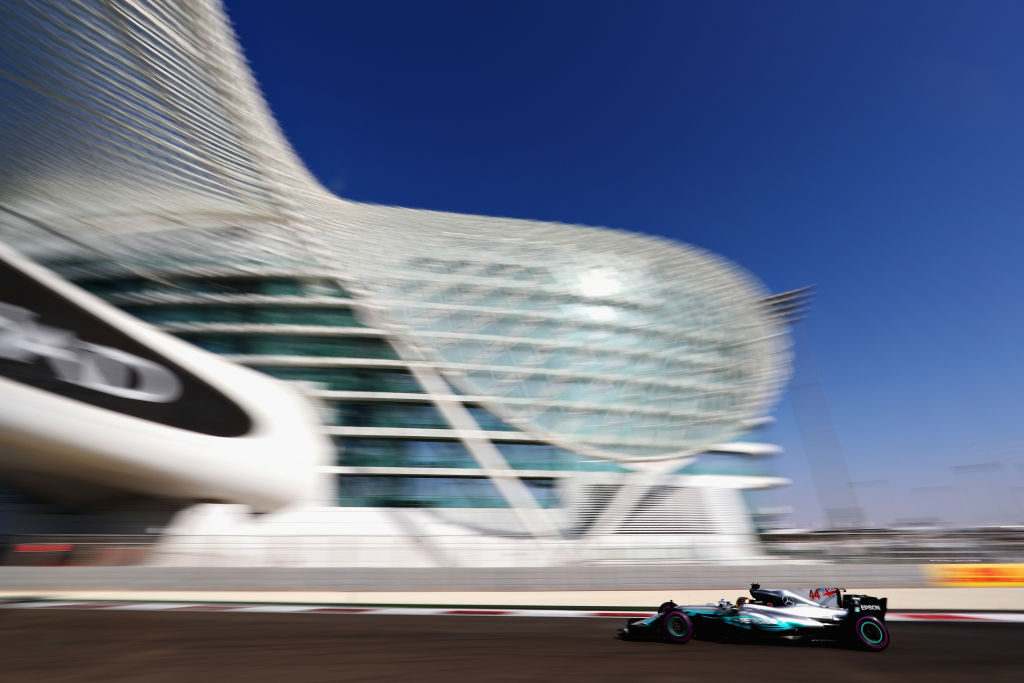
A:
x,y
218,343
412,453
402,453
189,314
288,345
423,415
380,414
488,421
305,315
272,286
347,379
247,314
322,346
434,492
535,456
127,285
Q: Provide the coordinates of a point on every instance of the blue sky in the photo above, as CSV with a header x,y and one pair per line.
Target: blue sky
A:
x,y
872,149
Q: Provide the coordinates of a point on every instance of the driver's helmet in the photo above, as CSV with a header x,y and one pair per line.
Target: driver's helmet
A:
x,y
740,601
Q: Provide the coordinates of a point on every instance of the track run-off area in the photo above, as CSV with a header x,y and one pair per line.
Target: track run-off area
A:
x,y
92,641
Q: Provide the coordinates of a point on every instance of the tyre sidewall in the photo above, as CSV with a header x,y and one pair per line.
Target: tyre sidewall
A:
x,y
676,627
866,641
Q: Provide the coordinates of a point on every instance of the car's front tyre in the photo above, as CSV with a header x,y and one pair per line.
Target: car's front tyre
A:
x,y
676,627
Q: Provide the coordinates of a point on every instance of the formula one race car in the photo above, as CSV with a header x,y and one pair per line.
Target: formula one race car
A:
x,y
825,614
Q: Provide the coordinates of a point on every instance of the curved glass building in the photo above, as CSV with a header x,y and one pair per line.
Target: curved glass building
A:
x,y
484,382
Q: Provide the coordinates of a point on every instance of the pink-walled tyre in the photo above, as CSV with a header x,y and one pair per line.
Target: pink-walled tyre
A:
x,y
676,627
870,633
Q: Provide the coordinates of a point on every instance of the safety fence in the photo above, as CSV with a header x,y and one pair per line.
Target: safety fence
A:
x,y
919,546
922,545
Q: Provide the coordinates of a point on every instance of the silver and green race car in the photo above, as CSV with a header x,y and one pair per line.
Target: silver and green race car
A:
x,y
818,614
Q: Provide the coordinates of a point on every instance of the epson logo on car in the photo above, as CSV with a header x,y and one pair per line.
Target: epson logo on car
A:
x,y
871,608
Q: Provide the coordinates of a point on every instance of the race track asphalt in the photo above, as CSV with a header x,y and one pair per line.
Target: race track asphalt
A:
x,y
53,645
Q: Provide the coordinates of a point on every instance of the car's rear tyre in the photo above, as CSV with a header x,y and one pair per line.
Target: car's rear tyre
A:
x,y
676,627
870,633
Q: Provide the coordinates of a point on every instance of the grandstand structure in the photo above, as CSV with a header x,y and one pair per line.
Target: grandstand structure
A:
x,y
492,390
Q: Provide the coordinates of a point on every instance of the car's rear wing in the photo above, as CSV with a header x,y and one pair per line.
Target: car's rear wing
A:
x,y
834,598
866,605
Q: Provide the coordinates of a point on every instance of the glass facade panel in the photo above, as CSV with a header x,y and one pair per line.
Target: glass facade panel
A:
x,y
489,421
402,453
296,315
244,314
412,453
274,286
127,285
347,379
421,415
288,345
434,492
379,414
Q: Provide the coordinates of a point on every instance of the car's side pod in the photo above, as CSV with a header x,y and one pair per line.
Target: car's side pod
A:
x,y
866,605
